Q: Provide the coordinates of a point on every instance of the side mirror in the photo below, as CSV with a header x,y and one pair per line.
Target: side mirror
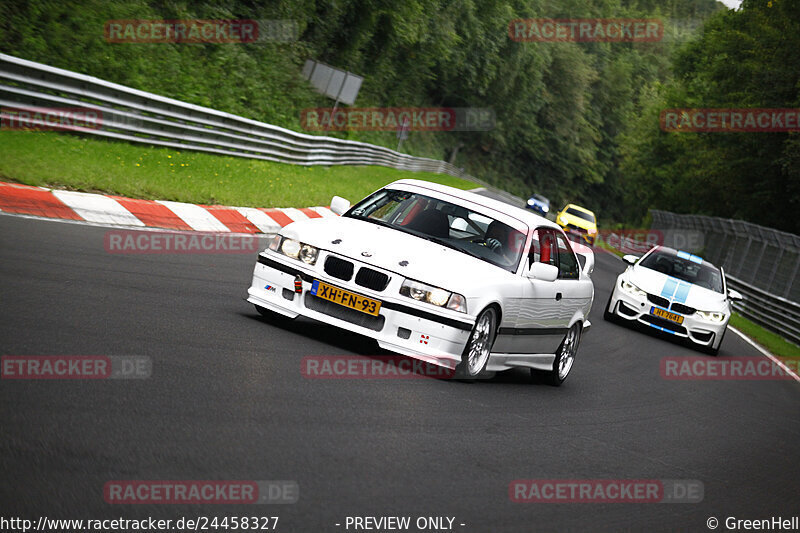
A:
x,y
339,205
630,259
734,295
543,272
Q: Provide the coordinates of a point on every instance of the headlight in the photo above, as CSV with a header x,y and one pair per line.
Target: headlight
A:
x,y
563,220
545,209
291,248
632,289
433,295
711,316
531,202
308,254
592,231
295,249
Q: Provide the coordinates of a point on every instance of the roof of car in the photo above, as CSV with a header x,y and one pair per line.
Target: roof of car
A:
x,y
683,255
529,217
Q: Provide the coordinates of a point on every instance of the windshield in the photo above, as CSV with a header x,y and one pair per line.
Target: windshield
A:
x,y
445,223
580,214
701,274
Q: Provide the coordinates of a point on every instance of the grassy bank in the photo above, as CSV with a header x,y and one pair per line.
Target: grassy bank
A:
x,y
138,171
773,342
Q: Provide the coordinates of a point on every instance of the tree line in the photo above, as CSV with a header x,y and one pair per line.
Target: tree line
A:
x,y
575,121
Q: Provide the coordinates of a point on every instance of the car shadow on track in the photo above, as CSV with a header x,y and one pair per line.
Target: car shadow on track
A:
x,y
363,346
668,338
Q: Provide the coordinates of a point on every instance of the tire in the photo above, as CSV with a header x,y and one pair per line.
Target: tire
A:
x,y
479,346
565,358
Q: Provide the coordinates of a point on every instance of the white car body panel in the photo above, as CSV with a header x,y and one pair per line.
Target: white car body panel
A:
x,y
533,322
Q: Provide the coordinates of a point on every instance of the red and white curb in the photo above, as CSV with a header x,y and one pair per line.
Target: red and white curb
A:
x,y
120,211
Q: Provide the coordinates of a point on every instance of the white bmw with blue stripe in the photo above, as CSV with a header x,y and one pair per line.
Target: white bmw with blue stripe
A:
x,y
674,292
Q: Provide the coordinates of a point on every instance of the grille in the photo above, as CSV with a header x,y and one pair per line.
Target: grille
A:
x,y
658,300
683,309
339,268
372,279
664,323
341,312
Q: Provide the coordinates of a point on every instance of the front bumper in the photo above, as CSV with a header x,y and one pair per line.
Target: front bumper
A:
x,y
634,308
402,325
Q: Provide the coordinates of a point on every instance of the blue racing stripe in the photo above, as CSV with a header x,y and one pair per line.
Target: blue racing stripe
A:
x,y
690,257
682,292
669,288
660,328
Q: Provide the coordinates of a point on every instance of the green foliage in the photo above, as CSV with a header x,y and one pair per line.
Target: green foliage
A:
x,y
575,121
749,58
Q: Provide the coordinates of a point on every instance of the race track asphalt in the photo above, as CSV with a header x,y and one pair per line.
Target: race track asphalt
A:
x,y
226,400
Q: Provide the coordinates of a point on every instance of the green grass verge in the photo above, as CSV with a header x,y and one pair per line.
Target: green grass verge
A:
x,y
138,171
773,342
600,243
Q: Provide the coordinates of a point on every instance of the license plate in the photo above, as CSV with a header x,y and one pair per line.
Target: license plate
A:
x,y
666,314
345,298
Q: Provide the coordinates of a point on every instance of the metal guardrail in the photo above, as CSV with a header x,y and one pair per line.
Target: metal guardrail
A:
x,y
772,312
137,116
761,263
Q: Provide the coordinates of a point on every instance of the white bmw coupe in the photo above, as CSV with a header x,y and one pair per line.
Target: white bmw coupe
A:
x,y
432,272
674,292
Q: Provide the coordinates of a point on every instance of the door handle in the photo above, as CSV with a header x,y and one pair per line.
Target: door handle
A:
x,y
558,296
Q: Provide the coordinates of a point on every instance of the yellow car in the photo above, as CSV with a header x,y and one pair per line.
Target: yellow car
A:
x,y
578,221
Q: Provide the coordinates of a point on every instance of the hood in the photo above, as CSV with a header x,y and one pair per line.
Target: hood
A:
x,y
426,261
674,289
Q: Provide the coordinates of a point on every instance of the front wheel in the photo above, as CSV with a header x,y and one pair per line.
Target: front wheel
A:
x,y
476,352
565,358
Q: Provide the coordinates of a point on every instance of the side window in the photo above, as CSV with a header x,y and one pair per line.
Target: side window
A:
x,y
543,247
567,262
